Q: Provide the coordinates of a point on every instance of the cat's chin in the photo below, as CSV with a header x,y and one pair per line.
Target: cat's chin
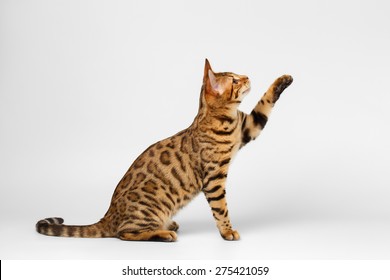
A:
x,y
245,92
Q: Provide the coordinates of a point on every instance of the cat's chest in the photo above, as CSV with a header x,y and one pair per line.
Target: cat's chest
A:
x,y
218,149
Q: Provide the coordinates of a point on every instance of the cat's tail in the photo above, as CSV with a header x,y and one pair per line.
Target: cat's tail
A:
x,y
55,227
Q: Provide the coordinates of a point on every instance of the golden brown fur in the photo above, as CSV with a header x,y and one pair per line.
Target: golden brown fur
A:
x,y
166,176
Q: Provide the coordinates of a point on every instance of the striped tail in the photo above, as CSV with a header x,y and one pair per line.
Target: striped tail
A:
x,y
55,227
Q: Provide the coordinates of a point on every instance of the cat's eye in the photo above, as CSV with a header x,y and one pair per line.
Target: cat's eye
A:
x,y
235,81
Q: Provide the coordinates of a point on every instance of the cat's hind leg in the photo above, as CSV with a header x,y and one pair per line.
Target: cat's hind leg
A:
x,y
152,235
148,229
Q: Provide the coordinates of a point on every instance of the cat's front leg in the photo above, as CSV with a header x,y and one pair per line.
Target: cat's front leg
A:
x,y
215,195
254,123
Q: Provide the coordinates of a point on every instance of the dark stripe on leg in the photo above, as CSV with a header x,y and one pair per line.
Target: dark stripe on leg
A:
x,y
245,137
259,118
218,210
216,177
221,196
216,188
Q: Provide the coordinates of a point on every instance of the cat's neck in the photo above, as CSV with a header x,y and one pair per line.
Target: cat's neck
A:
x,y
211,117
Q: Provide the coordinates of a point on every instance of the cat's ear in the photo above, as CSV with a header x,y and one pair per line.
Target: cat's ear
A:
x,y
207,67
215,86
209,79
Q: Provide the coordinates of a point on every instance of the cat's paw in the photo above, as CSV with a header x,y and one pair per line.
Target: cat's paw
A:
x,y
173,226
230,235
280,85
165,236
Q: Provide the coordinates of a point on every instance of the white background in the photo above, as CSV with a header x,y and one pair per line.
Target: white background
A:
x,y
86,86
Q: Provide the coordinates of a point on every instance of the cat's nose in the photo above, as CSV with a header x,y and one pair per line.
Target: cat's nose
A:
x,y
247,81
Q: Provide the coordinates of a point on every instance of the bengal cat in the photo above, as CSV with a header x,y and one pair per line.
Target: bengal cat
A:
x,y
171,172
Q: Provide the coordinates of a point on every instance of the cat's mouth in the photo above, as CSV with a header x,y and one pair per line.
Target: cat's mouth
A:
x,y
248,88
245,92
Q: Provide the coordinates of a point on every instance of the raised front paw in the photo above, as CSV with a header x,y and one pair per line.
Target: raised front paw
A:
x,y
230,235
280,85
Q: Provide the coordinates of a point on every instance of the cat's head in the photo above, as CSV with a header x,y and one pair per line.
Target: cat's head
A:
x,y
223,89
